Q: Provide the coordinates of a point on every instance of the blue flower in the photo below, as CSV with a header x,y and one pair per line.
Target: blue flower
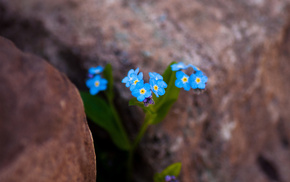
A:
x,y
170,179
136,79
167,178
198,80
96,84
182,80
129,79
148,100
155,76
96,70
141,91
178,66
193,67
157,87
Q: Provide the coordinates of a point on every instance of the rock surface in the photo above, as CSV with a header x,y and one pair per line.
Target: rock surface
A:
x,y
44,135
238,130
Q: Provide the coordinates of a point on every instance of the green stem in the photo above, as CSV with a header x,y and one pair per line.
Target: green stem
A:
x,y
143,129
119,123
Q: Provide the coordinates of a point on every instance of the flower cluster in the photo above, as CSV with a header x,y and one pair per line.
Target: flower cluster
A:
x,y
143,91
197,80
170,179
95,82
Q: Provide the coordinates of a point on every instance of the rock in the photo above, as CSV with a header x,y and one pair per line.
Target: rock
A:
x,y
44,135
238,130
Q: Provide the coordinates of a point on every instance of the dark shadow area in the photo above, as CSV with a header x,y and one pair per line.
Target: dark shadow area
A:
x,y
268,168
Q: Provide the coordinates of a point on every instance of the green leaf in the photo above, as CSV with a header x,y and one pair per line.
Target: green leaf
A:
x,y
165,102
172,170
108,75
162,112
100,112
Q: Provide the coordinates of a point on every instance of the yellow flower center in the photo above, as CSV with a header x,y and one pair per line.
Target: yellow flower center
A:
x,y
142,91
97,83
197,80
135,82
184,79
156,87
197,68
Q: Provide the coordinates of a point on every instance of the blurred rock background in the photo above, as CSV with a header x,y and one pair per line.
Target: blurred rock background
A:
x,y
44,135
238,130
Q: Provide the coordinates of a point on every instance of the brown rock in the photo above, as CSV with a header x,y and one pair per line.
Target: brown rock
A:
x,y
238,130
44,135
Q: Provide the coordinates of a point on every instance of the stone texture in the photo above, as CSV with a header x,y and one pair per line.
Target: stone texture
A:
x,y
44,135
238,130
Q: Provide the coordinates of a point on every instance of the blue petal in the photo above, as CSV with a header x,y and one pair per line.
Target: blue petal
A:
x,y
135,92
96,78
128,84
204,79
193,67
161,91
178,83
136,71
151,75
90,82
140,98
147,86
159,77
194,85
125,80
174,67
103,87
133,76
179,74
130,72
92,70
199,74
192,78
96,70
140,84
148,93
152,81
201,86
103,81
140,76
156,93
163,84
156,76
132,87
178,66
94,91
186,87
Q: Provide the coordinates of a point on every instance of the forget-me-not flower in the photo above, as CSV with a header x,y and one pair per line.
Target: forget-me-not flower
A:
x,y
96,70
96,84
158,77
198,80
178,66
141,91
129,78
157,87
135,79
182,80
